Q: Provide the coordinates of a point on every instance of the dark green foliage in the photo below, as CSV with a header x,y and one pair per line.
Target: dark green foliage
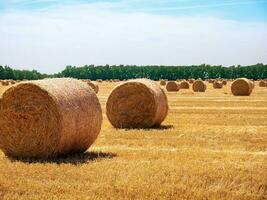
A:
x,y
9,73
258,71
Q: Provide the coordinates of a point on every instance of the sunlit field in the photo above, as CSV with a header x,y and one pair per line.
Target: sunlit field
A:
x,y
211,146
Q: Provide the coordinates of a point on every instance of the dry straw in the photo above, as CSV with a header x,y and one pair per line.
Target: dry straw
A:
x,y
242,87
48,118
93,85
162,82
262,83
191,81
4,82
172,86
139,103
199,86
217,85
184,85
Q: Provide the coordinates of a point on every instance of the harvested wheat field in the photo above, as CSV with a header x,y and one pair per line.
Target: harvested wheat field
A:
x,y
212,145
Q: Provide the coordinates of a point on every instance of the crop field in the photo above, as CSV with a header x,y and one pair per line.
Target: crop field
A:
x,y
212,145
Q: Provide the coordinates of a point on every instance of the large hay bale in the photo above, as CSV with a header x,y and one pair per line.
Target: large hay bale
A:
x,y
162,82
199,86
139,103
172,86
184,85
242,87
93,85
217,85
262,83
47,118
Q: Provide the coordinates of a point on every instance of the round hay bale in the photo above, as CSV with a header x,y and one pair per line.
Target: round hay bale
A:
x,y
99,80
47,118
93,85
5,83
262,83
172,86
217,85
224,82
191,81
199,86
184,85
162,82
12,82
139,103
242,87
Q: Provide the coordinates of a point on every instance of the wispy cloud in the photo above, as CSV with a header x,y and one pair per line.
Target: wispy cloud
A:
x,y
97,34
210,5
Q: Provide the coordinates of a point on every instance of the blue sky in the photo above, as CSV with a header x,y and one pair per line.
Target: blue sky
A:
x,y
49,34
231,9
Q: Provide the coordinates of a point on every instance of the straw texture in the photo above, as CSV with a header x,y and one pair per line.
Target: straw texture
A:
x,y
242,87
199,86
217,85
139,103
184,85
93,85
48,118
172,86
262,83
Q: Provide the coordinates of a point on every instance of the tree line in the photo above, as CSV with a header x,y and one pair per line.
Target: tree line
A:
x,y
122,72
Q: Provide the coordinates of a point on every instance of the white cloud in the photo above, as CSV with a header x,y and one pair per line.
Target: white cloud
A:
x,y
48,40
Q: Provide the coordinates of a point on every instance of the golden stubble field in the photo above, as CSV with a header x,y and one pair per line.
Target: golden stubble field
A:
x,y
211,146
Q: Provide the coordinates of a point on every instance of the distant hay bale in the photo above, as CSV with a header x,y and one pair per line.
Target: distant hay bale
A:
x,y
217,85
93,85
139,103
99,80
172,86
162,82
184,85
224,82
47,118
4,83
12,82
199,86
242,87
191,81
262,83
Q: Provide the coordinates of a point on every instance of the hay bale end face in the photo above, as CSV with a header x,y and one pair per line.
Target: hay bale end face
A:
x,y
217,85
4,83
172,86
162,82
48,118
191,81
184,85
139,103
242,87
262,83
199,86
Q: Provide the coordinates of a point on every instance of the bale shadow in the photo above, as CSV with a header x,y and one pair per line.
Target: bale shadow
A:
x,y
73,158
161,127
